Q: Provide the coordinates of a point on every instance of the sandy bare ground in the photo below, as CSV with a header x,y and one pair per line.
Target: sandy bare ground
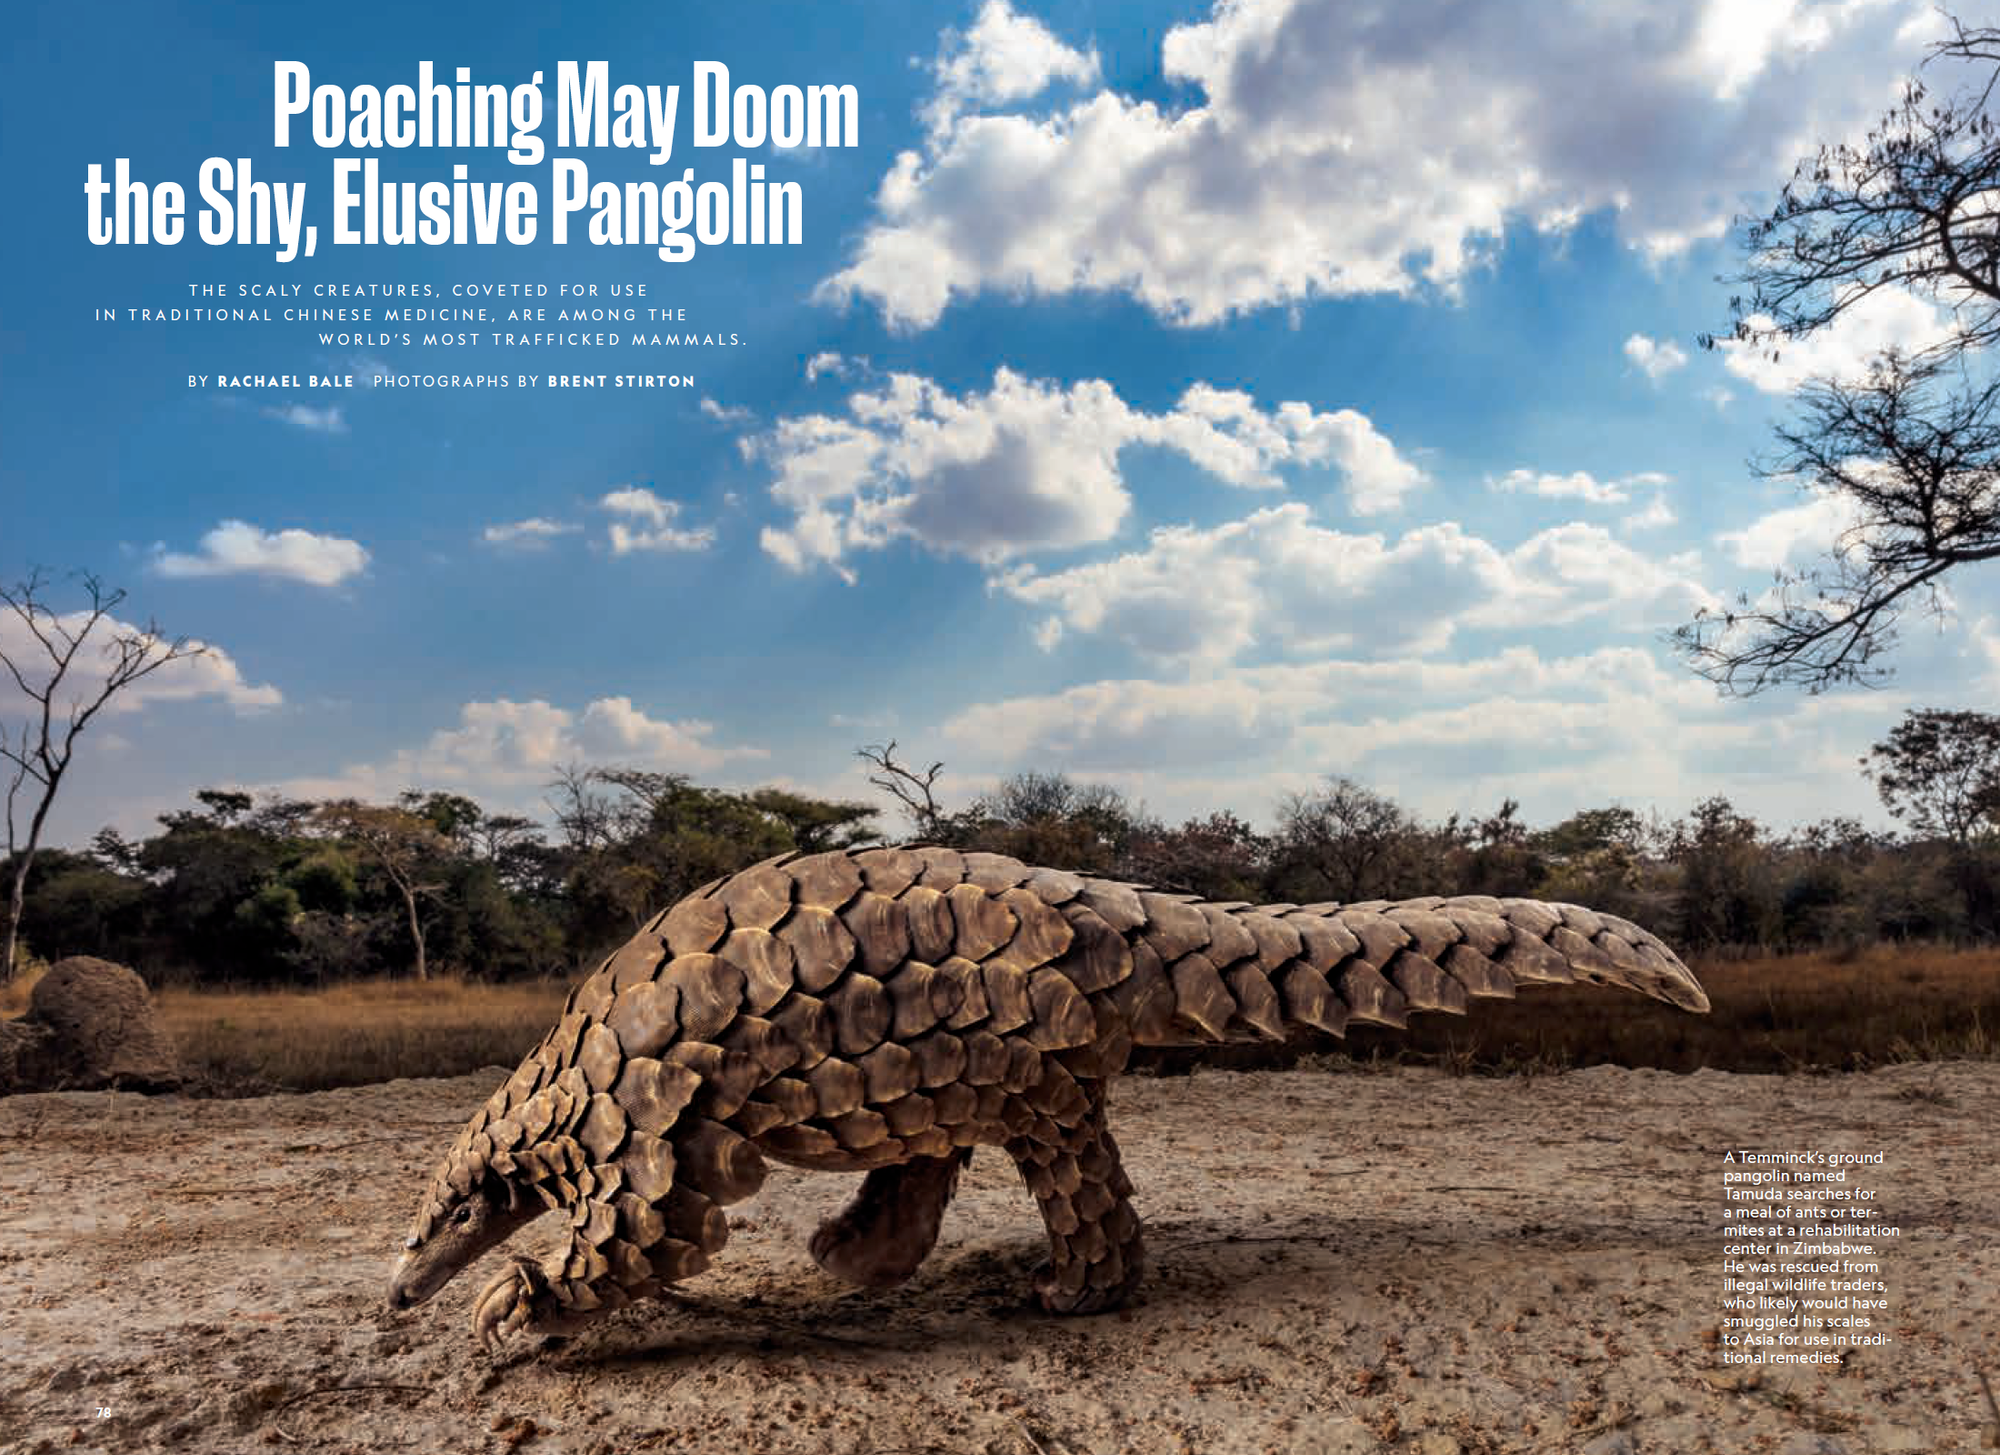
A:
x,y
1342,1263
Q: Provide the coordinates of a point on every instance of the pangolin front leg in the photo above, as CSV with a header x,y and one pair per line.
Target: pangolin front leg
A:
x,y
521,1300
881,1238
634,1230
1096,1254
566,1296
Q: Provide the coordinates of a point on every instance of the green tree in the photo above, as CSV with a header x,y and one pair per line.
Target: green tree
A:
x,y
1592,831
1495,855
634,840
1218,857
1049,818
77,906
1344,841
1826,891
816,824
1728,891
201,870
1939,772
476,922
406,846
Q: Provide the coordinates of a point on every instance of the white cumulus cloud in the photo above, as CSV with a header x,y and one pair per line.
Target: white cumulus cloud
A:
x,y
725,413
1791,535
1655,516
237,548
1277,581
1577,485
507,751
1004,57
1329,149
1034,465
647,523
330,420
213,673
829,362
536,530
1844,349
1614,725
1653,357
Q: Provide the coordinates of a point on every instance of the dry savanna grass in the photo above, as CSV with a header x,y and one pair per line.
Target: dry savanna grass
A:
x,y
15,994
1792,1012
245,1041
1825,1010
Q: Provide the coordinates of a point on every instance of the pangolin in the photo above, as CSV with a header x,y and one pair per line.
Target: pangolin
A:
x,y
887,1010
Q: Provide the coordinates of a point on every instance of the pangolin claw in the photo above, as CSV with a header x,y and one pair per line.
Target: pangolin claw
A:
x,y
508,1304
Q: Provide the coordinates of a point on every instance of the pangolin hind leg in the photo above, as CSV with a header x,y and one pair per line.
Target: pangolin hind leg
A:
x,y
1096,1253
881,1238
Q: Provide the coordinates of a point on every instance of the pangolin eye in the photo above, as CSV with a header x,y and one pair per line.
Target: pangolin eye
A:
x,y
464,1213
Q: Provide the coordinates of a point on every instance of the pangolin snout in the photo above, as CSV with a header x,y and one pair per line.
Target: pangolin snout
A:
x,y
406,1289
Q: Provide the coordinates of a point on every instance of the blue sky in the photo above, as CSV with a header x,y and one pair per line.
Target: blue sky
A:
x,y
1198,401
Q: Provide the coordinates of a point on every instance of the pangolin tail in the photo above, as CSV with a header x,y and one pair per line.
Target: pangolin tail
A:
x,y
1209,972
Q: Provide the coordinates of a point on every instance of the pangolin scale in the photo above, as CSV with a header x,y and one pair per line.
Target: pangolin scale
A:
x,y
887,1010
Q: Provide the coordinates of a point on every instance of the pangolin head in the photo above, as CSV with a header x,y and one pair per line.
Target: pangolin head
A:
x,y
470,1209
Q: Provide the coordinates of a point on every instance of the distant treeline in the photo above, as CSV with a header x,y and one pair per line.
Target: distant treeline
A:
x,y
238,891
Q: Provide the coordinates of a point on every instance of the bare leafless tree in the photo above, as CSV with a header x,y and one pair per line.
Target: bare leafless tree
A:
x,y
66,667
913,790
1912,451
1914,462
1908,208
587,818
